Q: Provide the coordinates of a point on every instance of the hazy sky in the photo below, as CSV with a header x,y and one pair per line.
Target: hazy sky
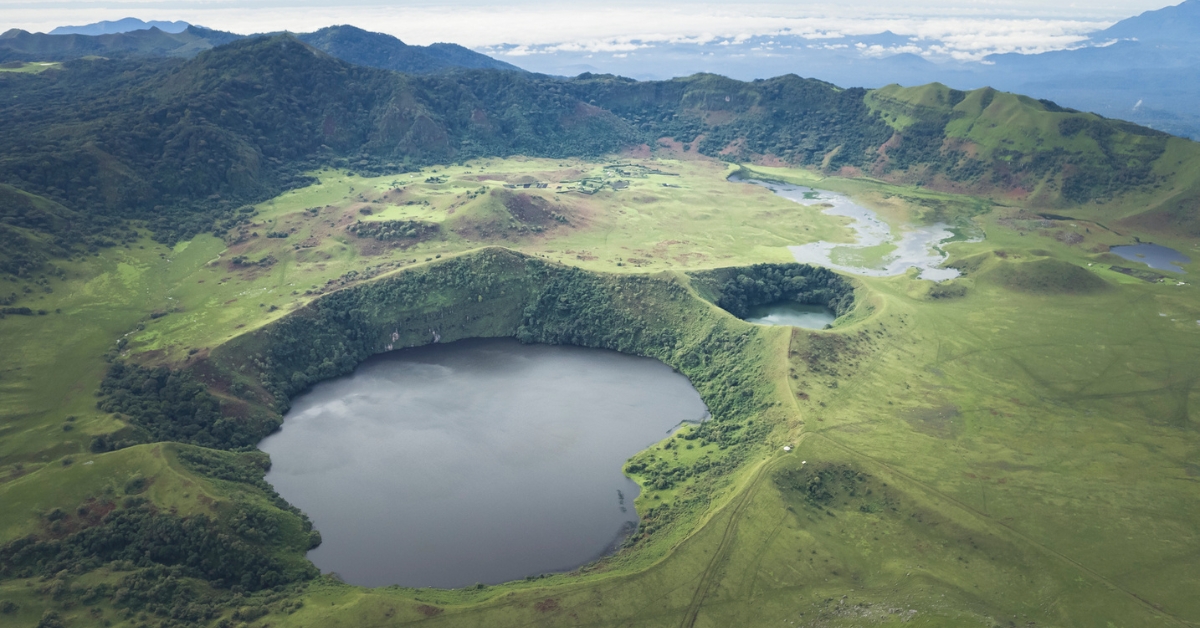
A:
x,y
967,28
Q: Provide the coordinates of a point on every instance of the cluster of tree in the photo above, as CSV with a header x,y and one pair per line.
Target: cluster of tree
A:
x,y
834,485
575,307
33,230
242,260
385,230
184,570
663,474
771,283
174,406
248,468
20,311
225,553
822,483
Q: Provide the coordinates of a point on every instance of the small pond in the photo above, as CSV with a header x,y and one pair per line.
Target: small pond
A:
x,y
792,314
1154,256
479,461
878,252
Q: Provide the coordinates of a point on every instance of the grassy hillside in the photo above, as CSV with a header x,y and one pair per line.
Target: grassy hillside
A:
x,y
1034,152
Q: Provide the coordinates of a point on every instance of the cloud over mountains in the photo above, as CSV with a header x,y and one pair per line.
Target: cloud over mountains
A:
x,y
963,30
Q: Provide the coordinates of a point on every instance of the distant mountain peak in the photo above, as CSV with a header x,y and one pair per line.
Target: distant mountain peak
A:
x,y
180,39
380,50
124,25
1180,22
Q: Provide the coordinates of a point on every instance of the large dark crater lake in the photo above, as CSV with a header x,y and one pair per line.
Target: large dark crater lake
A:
x,y
479,461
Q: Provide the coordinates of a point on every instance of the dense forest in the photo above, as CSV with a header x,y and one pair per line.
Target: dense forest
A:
x,y
798,120
174,406
739,289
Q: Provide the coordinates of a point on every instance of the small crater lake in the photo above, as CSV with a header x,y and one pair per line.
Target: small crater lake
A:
x,y
476,461
1153,255
792,314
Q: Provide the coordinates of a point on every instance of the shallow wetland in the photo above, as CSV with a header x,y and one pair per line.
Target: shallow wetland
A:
x,y
878,252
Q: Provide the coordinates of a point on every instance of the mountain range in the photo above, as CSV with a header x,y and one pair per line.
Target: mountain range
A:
x,y
125,25
349,43
180,144
1141,69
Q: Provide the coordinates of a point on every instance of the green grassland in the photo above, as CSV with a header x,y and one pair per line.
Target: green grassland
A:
x,y
28,67
1008,448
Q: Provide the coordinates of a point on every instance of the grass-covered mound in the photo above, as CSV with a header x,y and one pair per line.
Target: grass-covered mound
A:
x,y
1044,276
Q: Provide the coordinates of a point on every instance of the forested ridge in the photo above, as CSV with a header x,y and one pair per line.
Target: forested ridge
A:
x,y
798,120
179,145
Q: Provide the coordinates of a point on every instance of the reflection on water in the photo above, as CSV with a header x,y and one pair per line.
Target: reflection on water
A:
x,y
792,314
477,461
916,247
1154,256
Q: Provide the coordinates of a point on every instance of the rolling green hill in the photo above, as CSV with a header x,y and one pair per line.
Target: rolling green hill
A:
x,y
1039,154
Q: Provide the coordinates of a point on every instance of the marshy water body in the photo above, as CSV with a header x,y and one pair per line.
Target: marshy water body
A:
x,y
916,247
479,461
1154,256
792,314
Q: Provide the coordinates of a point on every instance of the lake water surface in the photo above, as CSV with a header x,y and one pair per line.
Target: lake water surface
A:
x,y
878,252
1154,256
793,314
477,461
